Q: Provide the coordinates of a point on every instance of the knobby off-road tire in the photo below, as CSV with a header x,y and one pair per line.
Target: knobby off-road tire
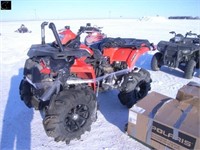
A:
x,y
25,93
70,114
156,62
198,65
140,84
189,69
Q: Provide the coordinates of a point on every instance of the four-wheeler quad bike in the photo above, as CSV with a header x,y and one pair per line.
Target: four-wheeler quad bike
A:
x,y
111,59
179,52
61,79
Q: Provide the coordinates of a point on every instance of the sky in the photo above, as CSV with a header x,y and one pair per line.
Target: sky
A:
x,y
92,9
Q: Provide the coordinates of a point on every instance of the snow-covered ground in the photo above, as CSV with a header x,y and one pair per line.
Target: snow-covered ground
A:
x,y
21,128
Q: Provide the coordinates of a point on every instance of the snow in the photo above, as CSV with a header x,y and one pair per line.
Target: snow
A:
x,y
21,128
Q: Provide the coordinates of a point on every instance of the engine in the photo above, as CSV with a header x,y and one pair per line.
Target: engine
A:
x,y
107,72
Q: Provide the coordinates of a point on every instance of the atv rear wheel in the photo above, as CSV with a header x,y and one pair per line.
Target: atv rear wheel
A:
x,y
140,84
156,62
189,69
70,114
25,93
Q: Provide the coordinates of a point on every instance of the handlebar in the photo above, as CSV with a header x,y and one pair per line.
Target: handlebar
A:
x,y
89,28
172,32
190,34
187,34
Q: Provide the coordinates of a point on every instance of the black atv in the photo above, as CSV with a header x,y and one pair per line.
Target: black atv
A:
x,y
69,110
179,52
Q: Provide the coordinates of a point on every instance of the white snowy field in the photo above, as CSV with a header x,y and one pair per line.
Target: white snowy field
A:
x,y
21,128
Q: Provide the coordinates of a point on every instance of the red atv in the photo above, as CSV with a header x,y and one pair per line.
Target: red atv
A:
x,y
111,64
61,79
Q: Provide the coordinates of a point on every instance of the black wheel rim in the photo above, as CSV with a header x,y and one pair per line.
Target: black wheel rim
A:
x,y
76,118
140,90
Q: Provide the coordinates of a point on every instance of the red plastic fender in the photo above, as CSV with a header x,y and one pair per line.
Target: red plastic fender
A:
x,y
117,54
135,54
83,71
128,55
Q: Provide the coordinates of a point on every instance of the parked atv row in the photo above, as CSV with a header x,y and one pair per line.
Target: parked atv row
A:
x,y
179,52
61,78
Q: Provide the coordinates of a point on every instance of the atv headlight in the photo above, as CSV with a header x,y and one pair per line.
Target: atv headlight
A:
x,y
186,51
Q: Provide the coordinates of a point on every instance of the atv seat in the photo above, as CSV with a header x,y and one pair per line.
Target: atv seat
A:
x,y
124,43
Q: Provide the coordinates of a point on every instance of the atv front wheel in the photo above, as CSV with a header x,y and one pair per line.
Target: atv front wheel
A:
x,y
140,85
189,69
156,62
70,114
198,65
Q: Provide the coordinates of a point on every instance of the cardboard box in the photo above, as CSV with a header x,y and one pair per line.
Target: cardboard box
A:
x,y
189,91
190,94
163,122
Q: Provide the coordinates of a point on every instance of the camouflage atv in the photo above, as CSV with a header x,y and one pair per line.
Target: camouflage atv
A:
x,y
61,80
